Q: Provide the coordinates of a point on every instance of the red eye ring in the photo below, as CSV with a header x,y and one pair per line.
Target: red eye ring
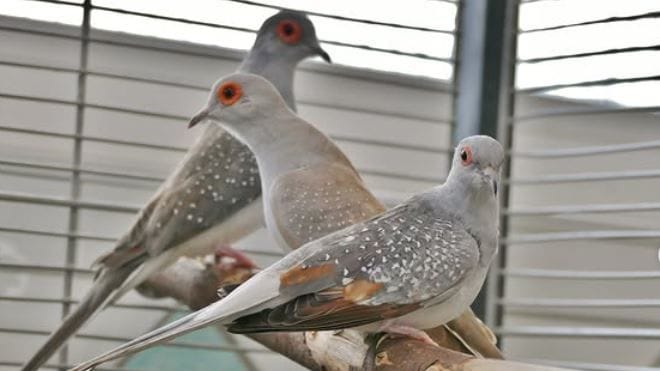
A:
x,y
229,93
466,156
288,31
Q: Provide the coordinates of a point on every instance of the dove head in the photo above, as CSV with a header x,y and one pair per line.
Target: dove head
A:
x,y
289,35
476,164
283,41
250,108
240,99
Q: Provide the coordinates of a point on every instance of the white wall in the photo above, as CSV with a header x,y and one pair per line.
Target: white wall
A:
x,y
585,255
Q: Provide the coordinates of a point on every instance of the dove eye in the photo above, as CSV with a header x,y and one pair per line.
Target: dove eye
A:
x,y
466,156
289,31
229,93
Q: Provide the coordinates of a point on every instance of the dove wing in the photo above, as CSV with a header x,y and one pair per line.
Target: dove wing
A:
x,y
385,267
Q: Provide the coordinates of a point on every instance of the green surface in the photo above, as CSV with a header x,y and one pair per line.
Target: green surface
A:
x,y
169,358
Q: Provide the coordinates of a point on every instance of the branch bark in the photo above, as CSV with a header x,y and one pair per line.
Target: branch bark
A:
x,y
195,284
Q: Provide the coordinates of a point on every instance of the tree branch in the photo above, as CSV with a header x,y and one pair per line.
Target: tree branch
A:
x,y
195,284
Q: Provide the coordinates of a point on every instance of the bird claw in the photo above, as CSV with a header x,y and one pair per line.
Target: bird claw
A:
x,y
233,268
410,332
388,330
374,341
237,259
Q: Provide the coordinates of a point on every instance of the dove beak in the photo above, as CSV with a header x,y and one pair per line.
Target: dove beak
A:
x,y
199,117
491,176
321,53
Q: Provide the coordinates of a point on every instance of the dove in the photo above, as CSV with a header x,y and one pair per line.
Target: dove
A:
x,y
212,198
413,267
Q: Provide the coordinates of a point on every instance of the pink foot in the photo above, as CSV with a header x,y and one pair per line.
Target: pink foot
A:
x,y
228,258
233,268
411,332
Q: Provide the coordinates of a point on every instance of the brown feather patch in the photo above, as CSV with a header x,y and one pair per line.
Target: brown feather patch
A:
x,y
300,274
361,289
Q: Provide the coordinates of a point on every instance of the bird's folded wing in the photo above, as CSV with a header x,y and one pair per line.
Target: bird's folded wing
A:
x,y
383,268
312,202
131,246
218,179
326,310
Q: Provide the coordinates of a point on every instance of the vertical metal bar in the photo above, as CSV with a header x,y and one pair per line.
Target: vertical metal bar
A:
x,y
454,76
484,30
75,175
495,286
481,57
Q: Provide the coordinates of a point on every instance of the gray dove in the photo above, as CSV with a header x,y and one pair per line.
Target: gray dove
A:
x,y
414,267
212,197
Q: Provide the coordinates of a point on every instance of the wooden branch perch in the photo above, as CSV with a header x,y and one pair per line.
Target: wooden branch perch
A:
x,y
195,284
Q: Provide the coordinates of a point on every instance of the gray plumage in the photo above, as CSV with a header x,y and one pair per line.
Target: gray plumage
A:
x,y
417,251
213,196
218,178
366,275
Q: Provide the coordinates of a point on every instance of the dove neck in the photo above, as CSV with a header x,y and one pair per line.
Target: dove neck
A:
x,y
279,71
283,142
478,208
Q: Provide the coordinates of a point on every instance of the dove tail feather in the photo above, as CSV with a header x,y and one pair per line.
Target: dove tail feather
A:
x,y
143,272
475,335
181,326
94,300
259,292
